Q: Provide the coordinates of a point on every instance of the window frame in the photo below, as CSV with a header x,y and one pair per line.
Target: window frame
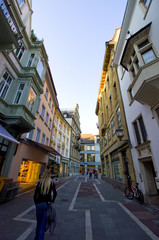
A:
x,y
31,59
37,135
20,3
19,52
42,113
6,84
140,131
21,93
30,104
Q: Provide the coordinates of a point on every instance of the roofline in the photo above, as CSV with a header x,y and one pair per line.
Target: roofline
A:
x,y
124,28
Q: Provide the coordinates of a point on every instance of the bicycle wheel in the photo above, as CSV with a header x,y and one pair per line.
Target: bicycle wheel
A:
x,y
129,193
140,197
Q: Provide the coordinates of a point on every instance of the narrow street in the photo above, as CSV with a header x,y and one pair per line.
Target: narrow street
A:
x,y
87,209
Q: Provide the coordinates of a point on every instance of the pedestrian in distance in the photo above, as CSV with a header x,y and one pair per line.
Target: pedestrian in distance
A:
x,y
90,174
42,198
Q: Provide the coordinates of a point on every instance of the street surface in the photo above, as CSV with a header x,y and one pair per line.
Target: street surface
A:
x,y
87,209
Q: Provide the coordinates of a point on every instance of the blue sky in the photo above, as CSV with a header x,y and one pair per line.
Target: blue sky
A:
x,y
74,33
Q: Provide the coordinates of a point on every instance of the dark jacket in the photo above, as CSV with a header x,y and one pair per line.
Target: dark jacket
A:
x,y
49,197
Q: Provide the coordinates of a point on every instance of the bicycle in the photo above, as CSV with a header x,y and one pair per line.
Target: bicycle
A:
x,y
133,191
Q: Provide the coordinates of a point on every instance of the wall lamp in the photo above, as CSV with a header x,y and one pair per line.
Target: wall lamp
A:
x,y
119,133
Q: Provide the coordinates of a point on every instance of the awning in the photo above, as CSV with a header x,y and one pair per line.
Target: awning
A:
x,y
41,146
7,135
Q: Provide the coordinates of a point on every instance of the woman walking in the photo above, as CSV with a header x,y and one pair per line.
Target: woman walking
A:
x,y
43,197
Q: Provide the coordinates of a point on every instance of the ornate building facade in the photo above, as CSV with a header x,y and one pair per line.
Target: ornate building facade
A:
x,y
116,160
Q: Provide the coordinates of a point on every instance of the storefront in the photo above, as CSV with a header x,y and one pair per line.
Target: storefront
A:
x,y
30,161
5,139
116,166
29,171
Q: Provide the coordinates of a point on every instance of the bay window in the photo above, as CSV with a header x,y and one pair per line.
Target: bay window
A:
x,y
31,99
40,67
19,93
5,83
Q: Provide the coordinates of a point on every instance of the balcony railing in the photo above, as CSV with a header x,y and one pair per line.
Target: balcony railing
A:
x,y
10,18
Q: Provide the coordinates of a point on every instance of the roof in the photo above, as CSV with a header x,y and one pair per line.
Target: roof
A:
x,y
5,134
87,139
41,146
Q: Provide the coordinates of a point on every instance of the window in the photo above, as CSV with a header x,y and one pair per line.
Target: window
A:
x,y
139,51
113,126
47,118
42,111
62,151
31,60
148,56
91,157
19,93
19,51
38,108
43,139
110,100
146,3
102,118
58,149
108,83
37,135
50,101
30,134
143,130
118,113
52,108
31,99
115,91
63,139
40,67
47,141
60,125
59,136
66,153
64,128
140,131
50,123
5,83
46,93
20,2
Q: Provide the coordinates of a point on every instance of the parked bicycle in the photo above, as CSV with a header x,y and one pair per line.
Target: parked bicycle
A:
x,y
133,191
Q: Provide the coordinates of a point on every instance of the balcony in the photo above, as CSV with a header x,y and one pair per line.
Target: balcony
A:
x,y
145,87
9,30
18,116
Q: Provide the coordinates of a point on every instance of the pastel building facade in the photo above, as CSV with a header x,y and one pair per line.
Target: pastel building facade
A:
x,y
90,154
73,118
61,139
23,64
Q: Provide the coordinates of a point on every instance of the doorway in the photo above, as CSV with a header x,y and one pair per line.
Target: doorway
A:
x,y
149,177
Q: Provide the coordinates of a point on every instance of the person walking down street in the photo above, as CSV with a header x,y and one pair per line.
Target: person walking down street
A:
x,y
90,174
43,197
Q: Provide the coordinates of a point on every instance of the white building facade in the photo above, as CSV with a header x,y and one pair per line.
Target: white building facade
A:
x,y
137,62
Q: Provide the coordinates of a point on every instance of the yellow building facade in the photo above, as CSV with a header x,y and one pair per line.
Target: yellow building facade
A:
x,y
116,160
61,137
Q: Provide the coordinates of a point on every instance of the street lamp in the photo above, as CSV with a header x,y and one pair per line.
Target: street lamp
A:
x,y
119,133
